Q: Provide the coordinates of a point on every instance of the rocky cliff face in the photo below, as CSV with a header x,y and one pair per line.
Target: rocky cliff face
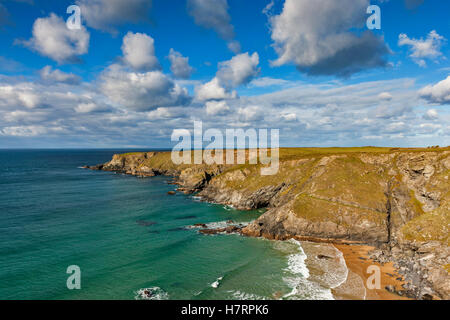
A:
x,y
396,199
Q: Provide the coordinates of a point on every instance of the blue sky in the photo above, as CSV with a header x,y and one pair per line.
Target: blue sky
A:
x,y
135,72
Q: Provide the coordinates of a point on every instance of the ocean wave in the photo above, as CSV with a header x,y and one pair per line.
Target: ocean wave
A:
x,y
303,289
297,274
153,293
216,283
296,261
217,225
238,295
331,263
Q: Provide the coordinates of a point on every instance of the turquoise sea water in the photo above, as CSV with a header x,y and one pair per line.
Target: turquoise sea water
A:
x,y
126,234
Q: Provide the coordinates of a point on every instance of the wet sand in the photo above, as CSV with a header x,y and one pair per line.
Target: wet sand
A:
x,y
357,260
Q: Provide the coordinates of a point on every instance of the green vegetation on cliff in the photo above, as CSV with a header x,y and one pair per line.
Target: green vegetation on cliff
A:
x,y
404,192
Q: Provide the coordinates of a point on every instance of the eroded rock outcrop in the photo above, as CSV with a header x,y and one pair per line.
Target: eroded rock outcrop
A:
x,y
397,200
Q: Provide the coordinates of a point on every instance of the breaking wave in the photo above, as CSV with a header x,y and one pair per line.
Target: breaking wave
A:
x,y
154,293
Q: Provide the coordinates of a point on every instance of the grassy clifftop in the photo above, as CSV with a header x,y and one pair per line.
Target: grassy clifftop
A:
x,y
396,198
405,191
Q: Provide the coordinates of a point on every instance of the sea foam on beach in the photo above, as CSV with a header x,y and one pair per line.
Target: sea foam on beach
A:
x,y
297,275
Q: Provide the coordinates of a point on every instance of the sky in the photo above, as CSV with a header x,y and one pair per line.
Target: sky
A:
x,y
136,71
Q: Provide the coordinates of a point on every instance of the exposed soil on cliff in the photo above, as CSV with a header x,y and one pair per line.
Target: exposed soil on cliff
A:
x,y
396,200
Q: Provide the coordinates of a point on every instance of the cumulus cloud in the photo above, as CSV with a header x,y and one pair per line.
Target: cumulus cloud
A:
x,y
52,38
214,108
289,117
421,49
431,114
241,69
179,65
213,90
213,14
166,113
139,51
250,113
90,107
106,15
438,93
49,75
141,91
385,96
308,114
316,37
19,95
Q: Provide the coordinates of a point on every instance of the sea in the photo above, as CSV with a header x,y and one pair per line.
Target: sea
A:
x,y
129,239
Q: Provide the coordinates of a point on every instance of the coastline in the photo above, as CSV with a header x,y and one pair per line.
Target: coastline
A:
x,y
357,260
384,198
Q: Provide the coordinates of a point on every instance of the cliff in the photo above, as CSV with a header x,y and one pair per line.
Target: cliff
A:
x,y
396,199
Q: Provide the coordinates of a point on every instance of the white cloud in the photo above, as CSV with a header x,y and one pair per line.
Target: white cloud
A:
x,y
105,15
438,93
241,69
25,116
212,90
421,49
53,39
179,65
19,95
323,114
139,51
49,75
390,112
251,113
165,113
213,14
431,114
316,37
385,96
289,117
268,82
89,107
23,131
429,128
29,99
396,127
141,91
214,108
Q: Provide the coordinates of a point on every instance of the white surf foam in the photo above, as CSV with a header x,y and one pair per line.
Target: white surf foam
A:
x,y
296,261
297,275
216,283
239,295
153,293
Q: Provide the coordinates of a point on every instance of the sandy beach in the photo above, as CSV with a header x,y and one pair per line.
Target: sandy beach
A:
x,y
358,261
